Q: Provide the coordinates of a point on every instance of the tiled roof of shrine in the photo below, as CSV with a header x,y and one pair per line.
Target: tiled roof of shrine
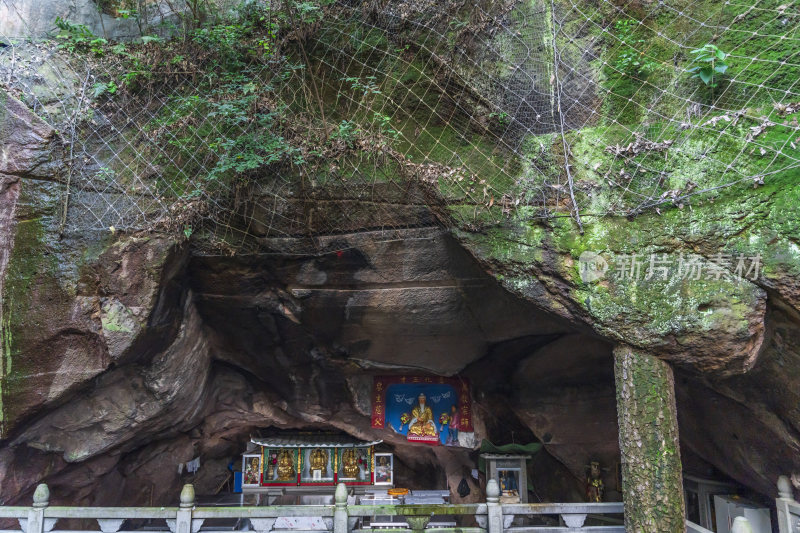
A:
x,y
311,440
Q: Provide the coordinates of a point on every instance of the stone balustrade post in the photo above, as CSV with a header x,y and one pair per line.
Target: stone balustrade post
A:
x,y
494,511
340,522
183,520
41,499
785,498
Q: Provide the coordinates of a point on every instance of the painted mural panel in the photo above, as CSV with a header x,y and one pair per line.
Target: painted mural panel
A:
x,y
427,409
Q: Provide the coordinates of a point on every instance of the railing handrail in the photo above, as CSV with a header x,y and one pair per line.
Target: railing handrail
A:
x,y
423,509
492,516
267,511
274,511
110,512
558,508
691,527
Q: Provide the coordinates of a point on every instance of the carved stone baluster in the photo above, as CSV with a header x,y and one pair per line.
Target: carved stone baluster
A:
x,y
418,523
110,525
573,520
494,511
262,525
36,522
183,522
340,521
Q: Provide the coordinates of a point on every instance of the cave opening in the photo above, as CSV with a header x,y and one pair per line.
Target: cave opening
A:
x,y
288,342
306,335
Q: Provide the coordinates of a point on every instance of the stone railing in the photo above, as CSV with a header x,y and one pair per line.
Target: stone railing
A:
x,y
491,517
788,508
691,527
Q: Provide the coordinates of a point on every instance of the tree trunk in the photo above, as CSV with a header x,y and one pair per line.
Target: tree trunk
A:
x,y
652,485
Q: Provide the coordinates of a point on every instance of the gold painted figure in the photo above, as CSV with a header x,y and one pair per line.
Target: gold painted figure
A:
x,y
285,466
422,424
251,473
594,484
318,460
350,463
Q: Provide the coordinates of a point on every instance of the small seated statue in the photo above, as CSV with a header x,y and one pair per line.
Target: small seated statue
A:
x,y
318,462
422,423
285,466
350,463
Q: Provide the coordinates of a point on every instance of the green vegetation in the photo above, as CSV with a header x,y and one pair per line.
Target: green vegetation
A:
x,y
101,88
347,132
316,92
632,59
78,38
710,64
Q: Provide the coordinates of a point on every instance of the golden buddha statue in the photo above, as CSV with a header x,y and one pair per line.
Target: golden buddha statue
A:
x,y
318,461
350,463
285,466
422,423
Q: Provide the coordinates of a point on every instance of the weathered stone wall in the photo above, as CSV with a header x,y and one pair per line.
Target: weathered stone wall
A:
x,y
35,19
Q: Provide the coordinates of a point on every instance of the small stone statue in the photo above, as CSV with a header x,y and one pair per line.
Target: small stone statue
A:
x,y
594,484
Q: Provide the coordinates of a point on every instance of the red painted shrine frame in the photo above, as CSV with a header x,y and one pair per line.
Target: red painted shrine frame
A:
x,y
460,385
299,482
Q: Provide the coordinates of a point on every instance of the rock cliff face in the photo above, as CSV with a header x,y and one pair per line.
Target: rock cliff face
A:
x,y
127,353
27,18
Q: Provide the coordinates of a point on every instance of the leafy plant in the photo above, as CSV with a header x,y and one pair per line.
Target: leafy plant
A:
x,y
79,38
231,123
309,12
500,116
106,174
126,13
137,73
347,131
711,64
230,128
384,123
120,49
631,60
101,88
366,86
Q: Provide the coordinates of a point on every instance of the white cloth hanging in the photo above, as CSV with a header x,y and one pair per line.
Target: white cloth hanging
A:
x,y
193,465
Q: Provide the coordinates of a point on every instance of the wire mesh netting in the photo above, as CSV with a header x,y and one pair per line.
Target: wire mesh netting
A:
x,y
272,120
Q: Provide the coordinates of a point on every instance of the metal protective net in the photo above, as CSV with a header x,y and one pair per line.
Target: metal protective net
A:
x,y
277,120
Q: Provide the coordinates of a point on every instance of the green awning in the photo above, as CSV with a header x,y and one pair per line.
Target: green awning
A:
x,y
510,449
